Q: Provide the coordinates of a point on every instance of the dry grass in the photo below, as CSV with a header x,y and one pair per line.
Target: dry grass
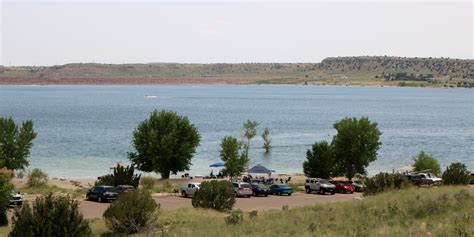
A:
x,y
444,211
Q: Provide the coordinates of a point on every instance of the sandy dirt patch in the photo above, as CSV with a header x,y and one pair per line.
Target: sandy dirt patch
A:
x,y
92,209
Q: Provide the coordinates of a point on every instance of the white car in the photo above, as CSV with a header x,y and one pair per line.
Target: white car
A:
x,y
16,198
430,177
242,189
189,189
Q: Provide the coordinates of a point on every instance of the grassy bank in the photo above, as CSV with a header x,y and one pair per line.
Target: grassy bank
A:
x,y
444,211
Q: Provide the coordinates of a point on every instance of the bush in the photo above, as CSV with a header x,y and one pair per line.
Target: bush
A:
x,y
426,161
6,173
5,192
218,195
147,182
235,217
50,216
384,181
122,175
132,212
37,178
253,214
456,173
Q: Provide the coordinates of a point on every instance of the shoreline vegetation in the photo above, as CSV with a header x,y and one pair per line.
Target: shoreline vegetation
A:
x,y
339,71
445,210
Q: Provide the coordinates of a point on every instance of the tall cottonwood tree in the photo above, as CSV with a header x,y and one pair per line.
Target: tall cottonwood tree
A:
x,y
165,143
355,145
235,159
15,143
250,131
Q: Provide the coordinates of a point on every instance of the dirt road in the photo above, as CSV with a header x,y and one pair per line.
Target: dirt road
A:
x,y
91,209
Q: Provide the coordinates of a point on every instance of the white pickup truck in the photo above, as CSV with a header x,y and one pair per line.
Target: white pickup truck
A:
x,y
189,189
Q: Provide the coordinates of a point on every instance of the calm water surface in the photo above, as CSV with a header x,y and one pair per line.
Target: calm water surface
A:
x,y
83,130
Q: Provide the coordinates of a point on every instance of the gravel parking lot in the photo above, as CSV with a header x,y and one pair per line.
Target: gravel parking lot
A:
x,y
92,209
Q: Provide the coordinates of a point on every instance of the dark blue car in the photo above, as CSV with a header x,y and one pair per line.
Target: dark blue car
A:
x,y
102,193
280,189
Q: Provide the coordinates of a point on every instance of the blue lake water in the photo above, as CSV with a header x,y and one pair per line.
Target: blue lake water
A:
x,y
83,130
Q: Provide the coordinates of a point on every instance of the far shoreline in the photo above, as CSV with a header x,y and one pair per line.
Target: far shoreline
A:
x,y
313,84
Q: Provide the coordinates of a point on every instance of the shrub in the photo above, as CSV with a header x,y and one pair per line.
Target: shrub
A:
x,y
132,212
235,217
384,181
122,175
218,195
50,216
7,173
147,182
456,173
426,161
37,178
5,192
253,214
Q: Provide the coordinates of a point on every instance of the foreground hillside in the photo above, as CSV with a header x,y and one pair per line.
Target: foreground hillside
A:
x,y
445,211
440,72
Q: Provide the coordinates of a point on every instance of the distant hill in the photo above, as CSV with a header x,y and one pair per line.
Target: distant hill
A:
x,y
365,70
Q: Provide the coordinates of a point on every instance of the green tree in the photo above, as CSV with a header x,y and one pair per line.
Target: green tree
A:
x,y
267,142
250,131
15,143
165,143
235,159
50,216
5,195
218,195
320,161
456,173
426,161
355,145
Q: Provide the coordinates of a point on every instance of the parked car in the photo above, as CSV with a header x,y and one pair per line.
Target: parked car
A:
x,y
343,187
319,185
423,178
102,193
242,189
15,198
280,189
189,189
260,189
358,186
124,188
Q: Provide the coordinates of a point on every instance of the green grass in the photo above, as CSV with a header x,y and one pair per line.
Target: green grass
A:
x,y
444,211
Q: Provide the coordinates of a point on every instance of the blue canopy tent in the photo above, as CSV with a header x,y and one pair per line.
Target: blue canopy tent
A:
x,y
218,164
259,169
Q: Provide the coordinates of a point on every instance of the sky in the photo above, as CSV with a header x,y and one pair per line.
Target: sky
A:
x,y
37,33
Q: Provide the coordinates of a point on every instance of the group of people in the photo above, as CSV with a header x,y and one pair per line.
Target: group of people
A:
x,y
218,176
249,179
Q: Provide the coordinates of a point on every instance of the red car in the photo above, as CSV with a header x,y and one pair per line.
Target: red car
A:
x,y
343,187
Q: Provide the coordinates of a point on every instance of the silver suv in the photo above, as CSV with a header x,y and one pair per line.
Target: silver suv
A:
x,y
242,189
319,185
